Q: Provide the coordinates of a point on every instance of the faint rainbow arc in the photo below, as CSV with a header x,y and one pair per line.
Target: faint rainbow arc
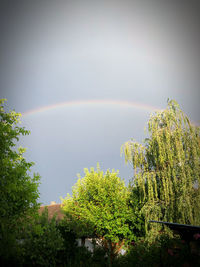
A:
x,y
119,103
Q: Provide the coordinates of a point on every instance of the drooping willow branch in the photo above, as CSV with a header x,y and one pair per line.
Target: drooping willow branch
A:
x,y
167,167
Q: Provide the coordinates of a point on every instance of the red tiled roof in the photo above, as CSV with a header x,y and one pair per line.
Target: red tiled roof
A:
x,y
53,209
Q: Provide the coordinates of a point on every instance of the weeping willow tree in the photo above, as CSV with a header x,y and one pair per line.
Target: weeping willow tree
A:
x,y
167,168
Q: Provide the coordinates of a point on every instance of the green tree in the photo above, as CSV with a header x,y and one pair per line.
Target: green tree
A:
x,y
42,243
100,203
18,190
167,167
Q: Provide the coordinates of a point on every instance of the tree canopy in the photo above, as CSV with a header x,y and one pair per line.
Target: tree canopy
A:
x,y
167,167
101,204
18,190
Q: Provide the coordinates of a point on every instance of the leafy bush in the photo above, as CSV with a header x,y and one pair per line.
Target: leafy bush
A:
x,y
68,254
48,243
164,251
43,242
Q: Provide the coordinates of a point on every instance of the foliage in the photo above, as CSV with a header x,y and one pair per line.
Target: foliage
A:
x,y
99,257
68,254
100,203
18,190
167,167
164,251
48,242
42,242
85,258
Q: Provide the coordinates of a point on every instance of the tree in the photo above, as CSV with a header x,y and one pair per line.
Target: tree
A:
x,y
167,167
100,204
42,243
18,190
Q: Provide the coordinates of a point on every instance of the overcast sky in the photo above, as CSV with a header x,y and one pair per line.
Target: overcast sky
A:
x,y
143,52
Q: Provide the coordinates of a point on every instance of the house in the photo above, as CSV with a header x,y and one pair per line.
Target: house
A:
x,y
54,209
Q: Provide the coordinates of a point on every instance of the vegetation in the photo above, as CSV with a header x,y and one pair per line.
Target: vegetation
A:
x,y
100,203
18,190
42,242
164,251
165,186
167,168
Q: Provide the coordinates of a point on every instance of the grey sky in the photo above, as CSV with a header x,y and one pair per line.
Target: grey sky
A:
x,y
55,51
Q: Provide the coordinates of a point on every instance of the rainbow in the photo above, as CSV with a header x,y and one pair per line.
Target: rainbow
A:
x,y
118,103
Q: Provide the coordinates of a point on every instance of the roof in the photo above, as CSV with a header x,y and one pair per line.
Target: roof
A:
x,y
53,209
185,230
